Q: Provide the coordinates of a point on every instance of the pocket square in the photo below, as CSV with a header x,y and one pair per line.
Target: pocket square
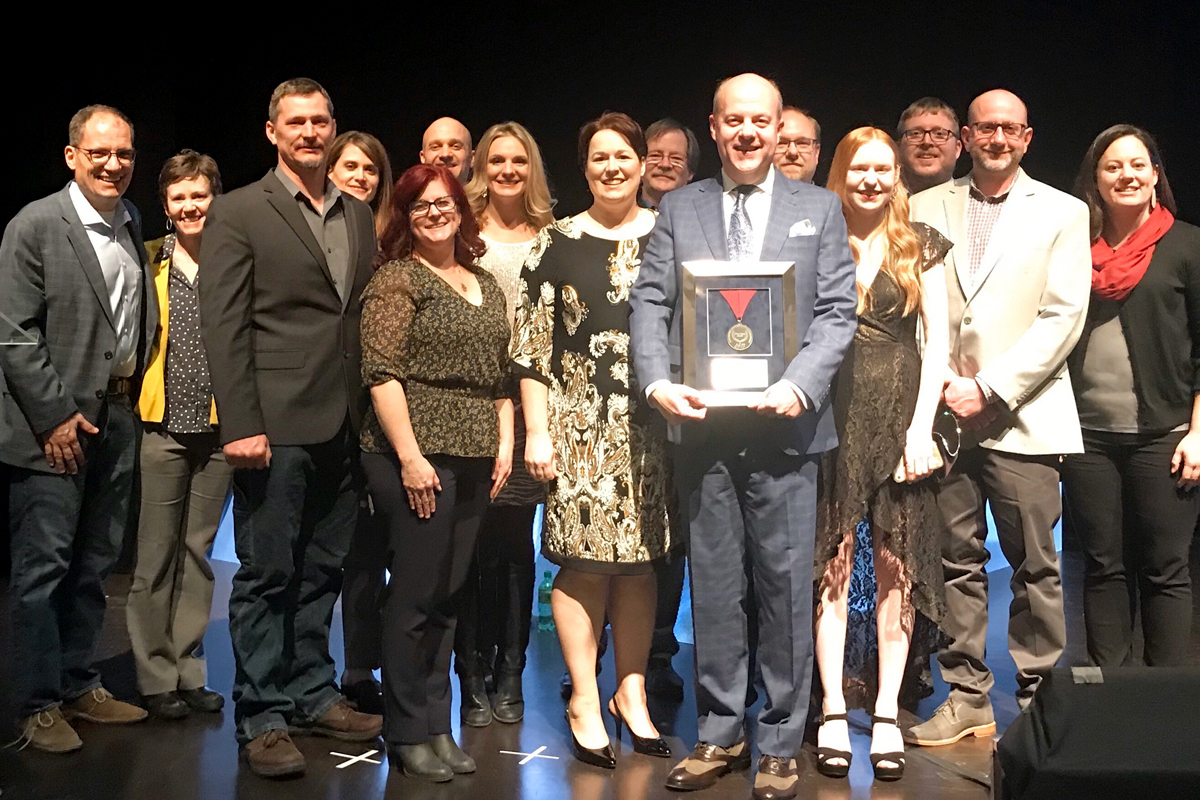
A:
x,y
802,228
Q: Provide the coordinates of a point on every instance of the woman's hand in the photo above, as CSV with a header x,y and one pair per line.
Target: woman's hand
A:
x,y
421,482
539,456
919,460
502,468
1186,461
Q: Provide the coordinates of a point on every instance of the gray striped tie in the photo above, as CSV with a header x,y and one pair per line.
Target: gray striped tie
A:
x,y
740,236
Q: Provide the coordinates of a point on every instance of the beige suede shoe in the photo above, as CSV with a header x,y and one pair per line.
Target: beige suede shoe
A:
x,y
101,707
49,732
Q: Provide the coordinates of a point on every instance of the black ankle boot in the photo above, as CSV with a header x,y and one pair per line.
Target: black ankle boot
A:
x,y
420,761
475,710
508,705
450,754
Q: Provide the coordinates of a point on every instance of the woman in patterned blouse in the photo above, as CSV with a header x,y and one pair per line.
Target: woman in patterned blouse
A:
x,y
594,439
437,445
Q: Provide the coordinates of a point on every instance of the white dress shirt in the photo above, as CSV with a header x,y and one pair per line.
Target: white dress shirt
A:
x,y
758,207
113,244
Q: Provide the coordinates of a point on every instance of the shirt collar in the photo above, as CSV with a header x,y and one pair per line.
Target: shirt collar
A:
x,y
90,217
978,194
332,193
728,184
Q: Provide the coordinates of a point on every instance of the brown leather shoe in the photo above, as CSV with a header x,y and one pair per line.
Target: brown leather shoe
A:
x,y
273,755
707,763
776,779
49,732
100,706
342,722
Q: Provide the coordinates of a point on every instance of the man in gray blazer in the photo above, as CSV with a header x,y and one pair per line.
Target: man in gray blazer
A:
x,y
1018,282
747,477
80,315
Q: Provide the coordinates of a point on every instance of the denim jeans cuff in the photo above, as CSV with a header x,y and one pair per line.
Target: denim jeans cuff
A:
x,y
251,729
91,687
327,702
29,712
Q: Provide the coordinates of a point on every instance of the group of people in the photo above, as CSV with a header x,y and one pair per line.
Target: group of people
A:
x,y
394,376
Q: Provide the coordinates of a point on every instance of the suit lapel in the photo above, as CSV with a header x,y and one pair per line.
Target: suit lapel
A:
x,y
712,218
1008,221
289,208
350,210
955,207
784,211
77,236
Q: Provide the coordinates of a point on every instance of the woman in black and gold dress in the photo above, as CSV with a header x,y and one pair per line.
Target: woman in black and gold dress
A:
x,y
591,435
885,399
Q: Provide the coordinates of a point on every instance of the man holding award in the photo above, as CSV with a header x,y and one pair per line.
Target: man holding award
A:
x,y
746,300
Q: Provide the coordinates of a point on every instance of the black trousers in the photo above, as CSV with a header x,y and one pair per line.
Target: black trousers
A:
x,y
1135,527
292,527
362,587
669,573
496,601
428,560
66,536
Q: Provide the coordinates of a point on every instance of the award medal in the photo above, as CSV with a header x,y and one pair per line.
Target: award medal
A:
x,y
740,337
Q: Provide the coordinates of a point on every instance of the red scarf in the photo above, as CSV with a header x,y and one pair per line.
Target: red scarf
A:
x,y
1116,272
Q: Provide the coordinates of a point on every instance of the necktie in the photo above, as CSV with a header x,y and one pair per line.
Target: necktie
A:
x,y
740,238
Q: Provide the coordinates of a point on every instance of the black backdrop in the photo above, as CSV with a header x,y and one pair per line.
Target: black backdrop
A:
x,y
1080,67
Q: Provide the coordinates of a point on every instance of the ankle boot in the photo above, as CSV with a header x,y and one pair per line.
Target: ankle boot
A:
x,y
475,710
508,705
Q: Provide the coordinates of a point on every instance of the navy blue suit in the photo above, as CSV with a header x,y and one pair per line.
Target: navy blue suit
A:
x,y
748,483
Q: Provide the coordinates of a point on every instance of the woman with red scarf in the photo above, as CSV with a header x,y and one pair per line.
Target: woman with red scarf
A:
x,y
1131,494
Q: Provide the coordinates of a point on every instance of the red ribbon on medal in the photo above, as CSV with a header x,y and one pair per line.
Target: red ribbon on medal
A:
x,y
738,299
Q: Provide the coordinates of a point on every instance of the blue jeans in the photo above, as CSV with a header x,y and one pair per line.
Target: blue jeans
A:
x,y
66,536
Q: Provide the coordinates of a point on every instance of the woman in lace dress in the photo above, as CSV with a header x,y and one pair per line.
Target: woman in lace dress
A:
x,y
511,200
593,438
885,400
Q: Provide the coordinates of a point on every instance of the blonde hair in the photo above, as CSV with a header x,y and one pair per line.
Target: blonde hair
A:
x,y
538,208
902,259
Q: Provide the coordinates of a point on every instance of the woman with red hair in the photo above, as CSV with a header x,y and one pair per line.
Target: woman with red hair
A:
x,y
437,445
885,400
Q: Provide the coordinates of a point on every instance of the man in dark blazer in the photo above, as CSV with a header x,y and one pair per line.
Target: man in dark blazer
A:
x,y
78,324
747,478
284,262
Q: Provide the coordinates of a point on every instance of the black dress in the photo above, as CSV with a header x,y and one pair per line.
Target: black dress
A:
x,y
875,394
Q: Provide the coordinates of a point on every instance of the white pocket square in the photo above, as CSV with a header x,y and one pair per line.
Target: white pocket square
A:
x,y
802,228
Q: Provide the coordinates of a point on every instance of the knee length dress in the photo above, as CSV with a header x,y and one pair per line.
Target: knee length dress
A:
x,y
607,510
875,393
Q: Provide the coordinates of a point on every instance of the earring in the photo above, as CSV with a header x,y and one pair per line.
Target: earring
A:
x,y
1153,198
170,225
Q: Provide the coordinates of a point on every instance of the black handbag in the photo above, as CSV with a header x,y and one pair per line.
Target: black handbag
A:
x,y
947,437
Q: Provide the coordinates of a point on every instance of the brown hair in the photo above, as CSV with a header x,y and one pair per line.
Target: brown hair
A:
x,y
539,209
80,119
1086,188
297,87
666,125
902,260
185,165
927,105
373,149
617,122
802,112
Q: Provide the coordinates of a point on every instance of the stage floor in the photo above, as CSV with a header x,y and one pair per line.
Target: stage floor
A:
x,y
197,759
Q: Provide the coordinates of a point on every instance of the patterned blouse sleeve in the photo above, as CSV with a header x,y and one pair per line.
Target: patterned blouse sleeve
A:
x,y
533,329
934,246
388,307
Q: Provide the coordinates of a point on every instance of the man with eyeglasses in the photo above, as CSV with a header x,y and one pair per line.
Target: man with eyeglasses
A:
x,y
929,145
447,142
672,158
1018,281
799,145
78,326
285,261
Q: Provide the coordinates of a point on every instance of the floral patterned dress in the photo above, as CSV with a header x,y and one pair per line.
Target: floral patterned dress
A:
x,y
607,510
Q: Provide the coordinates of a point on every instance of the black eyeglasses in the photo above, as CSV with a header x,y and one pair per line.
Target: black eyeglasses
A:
x,y
1011,130
444,204
101,157
802,144
936,135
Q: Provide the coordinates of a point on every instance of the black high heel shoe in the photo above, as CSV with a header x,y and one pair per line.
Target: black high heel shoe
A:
x,y
827,754
604,757
648,747
887,773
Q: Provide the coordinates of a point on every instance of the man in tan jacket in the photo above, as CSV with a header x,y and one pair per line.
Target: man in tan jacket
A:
x,y
1018,281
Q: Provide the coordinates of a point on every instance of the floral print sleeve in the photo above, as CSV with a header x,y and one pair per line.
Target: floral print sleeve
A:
x,y
387,312
533,329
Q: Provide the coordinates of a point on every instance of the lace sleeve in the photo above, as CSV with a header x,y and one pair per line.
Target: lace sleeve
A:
x,y
934,246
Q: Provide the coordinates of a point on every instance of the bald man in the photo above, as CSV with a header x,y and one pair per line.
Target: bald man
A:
x,y
799,146
447,142
747,477
1018,281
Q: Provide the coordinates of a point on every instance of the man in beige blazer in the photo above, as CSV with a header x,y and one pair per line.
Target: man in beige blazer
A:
x,y
1018,280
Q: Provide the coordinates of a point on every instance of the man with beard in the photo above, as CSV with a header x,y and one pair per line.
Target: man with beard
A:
x,y
672,158
447,142
929,145
1018,282
799,146
285,262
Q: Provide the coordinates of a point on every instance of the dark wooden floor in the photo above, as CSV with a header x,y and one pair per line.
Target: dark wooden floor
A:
x,y
198,758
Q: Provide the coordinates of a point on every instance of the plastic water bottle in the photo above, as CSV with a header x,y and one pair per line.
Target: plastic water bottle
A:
x,y
545,616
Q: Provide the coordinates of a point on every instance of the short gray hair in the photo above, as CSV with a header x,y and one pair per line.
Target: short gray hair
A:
x,y
80,120
667,125
296,87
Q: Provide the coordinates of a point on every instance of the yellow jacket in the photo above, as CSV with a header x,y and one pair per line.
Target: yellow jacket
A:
x,y
152,403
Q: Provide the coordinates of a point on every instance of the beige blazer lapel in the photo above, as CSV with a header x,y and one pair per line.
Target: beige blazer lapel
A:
x,y
955,207
1007,225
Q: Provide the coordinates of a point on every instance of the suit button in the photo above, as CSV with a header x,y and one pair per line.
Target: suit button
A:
x,y
345,355
966,320
99,394
108,356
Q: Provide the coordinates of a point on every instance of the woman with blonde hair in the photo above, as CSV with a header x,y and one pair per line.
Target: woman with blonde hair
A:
x,y
510,198
885,401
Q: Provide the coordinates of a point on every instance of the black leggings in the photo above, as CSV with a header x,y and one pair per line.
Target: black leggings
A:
x,y
1135,527
428,560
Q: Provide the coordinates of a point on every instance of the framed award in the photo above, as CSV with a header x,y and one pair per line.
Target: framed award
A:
x,y
739,328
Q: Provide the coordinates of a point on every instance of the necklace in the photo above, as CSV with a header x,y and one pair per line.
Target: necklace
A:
x,y
448,272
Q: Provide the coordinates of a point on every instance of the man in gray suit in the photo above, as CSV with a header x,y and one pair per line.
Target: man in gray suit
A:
x,y
1018,282
747,477
79,325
